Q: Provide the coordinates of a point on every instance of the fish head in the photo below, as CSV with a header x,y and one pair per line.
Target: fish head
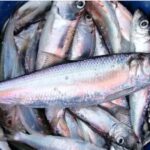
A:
x,y
140,24
123,136
70,9
140,68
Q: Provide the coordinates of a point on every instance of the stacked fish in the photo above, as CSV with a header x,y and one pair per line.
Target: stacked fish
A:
x,y
77,77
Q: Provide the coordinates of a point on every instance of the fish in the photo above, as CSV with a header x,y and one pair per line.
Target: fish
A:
x,y
32,121
57,121
114,146
140,38
87,134
119,112
31,52
48,142
62,20
3,144
23,39
106,124
100,46
139,100
106,21
83,43
28,12
89,82
124,18
9,50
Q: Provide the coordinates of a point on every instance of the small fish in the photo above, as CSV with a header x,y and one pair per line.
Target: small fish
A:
x,y
23,39
89,82
83,43
100,46
119,112
13,67
106,124
48,142
87,134
62,21
31,52
57,122
105,18
124,18
140,39
29,11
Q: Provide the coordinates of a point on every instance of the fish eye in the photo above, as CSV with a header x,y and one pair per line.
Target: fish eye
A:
x,y
80,4
120,140
144,24
87,16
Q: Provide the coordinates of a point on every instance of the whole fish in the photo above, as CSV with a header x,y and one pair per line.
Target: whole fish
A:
x,y
83,43
62,21
29,11
105,18
139,100
48,142
106,124
89,82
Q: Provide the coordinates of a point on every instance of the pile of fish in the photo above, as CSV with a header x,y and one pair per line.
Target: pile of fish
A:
x,y
75,75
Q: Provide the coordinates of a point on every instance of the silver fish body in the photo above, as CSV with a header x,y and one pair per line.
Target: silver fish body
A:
x,y
83,43
48,142
106,124
89,82
100,47
140,39
119,112
29,11
105,18
62,21
9,51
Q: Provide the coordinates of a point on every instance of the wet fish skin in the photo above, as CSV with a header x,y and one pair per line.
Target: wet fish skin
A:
x,y
119,112
105,18
124,18
51,142
139,100
9,50
107,124
62,21
100,47
32,121
90,75
31,53
140,38
83,43
29,11
87,134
